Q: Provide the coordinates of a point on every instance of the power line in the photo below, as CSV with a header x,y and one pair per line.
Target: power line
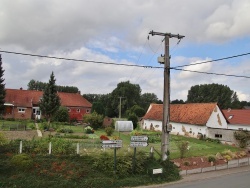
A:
x,y
79,60
140,66
218,74
230,57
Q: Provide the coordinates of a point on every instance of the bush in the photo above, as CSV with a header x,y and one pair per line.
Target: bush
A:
x,y
186,163
109,131
65,131
211,158
183,148
3,139
242,137
94,119
62,115
88,130
22,161
103,137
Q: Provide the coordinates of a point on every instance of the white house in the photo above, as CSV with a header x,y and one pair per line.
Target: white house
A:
x,y
189,119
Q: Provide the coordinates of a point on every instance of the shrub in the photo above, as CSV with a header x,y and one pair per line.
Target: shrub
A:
x,y
186,163
242,137
62,114
109,131
94,119
103,137
3,139
22,161
65,131
183,148
88,130
211,158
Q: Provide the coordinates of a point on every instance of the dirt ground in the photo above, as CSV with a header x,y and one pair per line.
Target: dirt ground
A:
x,y
25,135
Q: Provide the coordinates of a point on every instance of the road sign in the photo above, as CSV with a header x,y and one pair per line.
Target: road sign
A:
x,y
138,144
139,138
111,145
111,141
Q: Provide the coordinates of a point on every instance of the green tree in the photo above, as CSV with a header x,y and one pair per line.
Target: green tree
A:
x,y
176,101
132,117
2,88
61,115
98,107
146,99
50,101
94,119
211,93
131,95
137,110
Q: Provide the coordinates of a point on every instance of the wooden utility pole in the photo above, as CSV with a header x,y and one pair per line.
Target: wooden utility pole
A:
x,y
166,93
120,107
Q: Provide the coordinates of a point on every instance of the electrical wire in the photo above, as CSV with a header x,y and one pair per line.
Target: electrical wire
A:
x,y
209,61
79,60
141,66
218,74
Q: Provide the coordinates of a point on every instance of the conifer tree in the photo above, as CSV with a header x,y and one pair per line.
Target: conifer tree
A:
x,y
2,88
50,101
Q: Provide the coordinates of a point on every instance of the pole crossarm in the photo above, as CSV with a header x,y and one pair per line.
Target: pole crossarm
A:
x,y
170,35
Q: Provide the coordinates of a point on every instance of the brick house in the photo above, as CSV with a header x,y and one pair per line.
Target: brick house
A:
x,y
24,104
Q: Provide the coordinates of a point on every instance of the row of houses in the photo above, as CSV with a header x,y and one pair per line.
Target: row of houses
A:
x,y
196,119
24,104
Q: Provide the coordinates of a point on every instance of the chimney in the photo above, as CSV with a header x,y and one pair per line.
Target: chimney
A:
x,y
79,92
21,88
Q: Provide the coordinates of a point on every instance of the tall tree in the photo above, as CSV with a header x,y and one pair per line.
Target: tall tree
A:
x,y
50,101
146,99
221,94
131,95
2,87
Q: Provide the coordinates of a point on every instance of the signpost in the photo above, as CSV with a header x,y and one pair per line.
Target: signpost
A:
x,y
138,141
112,144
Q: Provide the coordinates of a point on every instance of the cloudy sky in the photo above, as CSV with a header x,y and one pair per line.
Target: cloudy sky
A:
x,y
116,31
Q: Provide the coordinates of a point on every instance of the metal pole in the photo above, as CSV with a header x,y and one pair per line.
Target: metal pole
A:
x,y
115,160
134,160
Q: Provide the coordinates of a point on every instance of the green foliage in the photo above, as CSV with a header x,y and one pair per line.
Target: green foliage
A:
x,y
65,130
61,114
3,139
94,119
146,99
109,131
154,139
134,119
98,107
137,110
221,94
40,86
22,161
183,148
211,158
50,101
243,137
88,130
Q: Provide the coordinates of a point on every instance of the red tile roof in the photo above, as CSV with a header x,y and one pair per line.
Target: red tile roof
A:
x,y
240,116
191,113
25,98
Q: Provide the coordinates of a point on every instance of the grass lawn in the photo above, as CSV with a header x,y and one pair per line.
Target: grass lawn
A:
x,y
197,147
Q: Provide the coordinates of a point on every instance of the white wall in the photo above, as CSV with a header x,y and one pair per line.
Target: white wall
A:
x,y
238,127
217,120
177,128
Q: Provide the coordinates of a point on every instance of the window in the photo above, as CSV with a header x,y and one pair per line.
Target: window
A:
x,y
69,110
157,126
78,110
218,135
21,110
87,111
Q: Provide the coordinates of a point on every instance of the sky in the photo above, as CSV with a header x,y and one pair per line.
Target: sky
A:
x,y
117,32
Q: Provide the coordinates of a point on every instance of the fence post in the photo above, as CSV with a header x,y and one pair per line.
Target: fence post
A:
x,y
21,147
77,148
152,152
50,148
